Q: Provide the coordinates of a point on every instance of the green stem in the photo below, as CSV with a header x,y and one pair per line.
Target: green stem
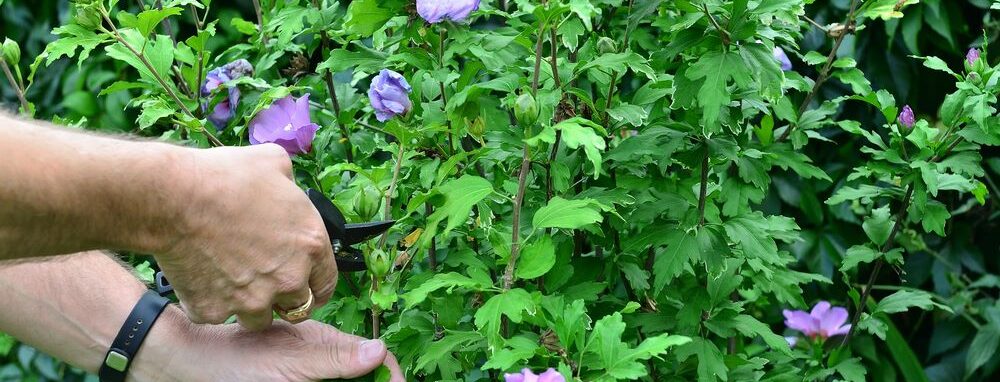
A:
x,y
15,85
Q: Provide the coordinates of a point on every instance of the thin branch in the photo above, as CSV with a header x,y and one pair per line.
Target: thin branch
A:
x,y
703,192
824,74
722,32
814,23
444,94
156,75
900,216
14,84
392,190
260,21
515,240
538,61
201,57
432,251
554,48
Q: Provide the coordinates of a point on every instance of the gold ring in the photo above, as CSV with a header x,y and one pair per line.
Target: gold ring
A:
x,y
298,314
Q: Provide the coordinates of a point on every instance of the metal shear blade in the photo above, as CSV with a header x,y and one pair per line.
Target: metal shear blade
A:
x,y
343,236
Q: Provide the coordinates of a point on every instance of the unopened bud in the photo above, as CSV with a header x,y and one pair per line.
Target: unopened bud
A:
x,y
526,109
478,127
11,52
366,203
606,45
975,78
379,263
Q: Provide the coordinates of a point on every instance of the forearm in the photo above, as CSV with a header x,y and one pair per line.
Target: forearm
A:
x,y
63,191
71,307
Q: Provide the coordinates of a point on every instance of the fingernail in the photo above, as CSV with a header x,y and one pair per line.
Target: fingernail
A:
x,y
372,351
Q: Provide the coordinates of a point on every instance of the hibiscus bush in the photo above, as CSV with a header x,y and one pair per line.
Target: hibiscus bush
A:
x,y
601,190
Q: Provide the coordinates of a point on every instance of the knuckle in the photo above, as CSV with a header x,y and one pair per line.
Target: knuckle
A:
x,y
290,283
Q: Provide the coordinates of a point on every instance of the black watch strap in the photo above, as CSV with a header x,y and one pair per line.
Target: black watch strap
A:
x,y
130,336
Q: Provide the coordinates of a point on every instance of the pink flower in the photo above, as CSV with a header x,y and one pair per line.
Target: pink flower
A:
x,y
550,375
906,117
286,123
972,56
435,11
822,322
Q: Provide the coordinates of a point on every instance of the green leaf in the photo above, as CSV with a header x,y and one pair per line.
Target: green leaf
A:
x,y
537,258
460,195
750,232
937,64
615,357
585,10
146,21
717,68
71,38
711,364
617,63
364,60
750,327
934,216
851,369
983,346
856,79
440,350
450,280
858,254
682,246
878,225
513,304
568,214
903,300
364,17
153,111
902,353
581,132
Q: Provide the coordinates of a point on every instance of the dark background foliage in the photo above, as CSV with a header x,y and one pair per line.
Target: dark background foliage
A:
x,y
964,269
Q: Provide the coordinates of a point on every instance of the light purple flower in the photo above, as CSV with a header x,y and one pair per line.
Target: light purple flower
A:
x,y
906,117
390,95
822,322
972,56
550,375
286,123
782,58
216,78
435,11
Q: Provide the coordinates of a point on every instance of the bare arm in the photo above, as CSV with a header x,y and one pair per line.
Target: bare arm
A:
x,y
63,191
72,307
229,227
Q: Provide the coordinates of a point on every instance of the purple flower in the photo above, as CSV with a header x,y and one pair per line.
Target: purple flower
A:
x,y
435,11
906,117
823,322
550,375
782,58
972,56
390,95
286,123
225,109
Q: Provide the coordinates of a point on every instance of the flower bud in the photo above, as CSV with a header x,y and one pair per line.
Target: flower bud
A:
x,y
379,263
972,56
478,127
526,109
11,52
87,15
906,117
974,78
606,45
366,203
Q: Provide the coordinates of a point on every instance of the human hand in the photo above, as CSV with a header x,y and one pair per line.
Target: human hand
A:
x,y
249,240
178,351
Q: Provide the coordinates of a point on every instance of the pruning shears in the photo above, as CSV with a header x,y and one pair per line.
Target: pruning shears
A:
x,y
343,237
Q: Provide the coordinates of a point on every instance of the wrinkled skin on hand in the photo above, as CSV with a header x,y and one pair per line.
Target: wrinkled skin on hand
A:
x,y
249,240
309,351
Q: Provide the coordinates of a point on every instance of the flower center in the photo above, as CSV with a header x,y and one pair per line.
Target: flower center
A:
x,y
288,127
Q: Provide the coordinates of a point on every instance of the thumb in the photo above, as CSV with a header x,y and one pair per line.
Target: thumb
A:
x,y
349,357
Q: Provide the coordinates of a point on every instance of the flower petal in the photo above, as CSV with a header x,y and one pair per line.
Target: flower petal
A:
x,y
799,320
551,375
